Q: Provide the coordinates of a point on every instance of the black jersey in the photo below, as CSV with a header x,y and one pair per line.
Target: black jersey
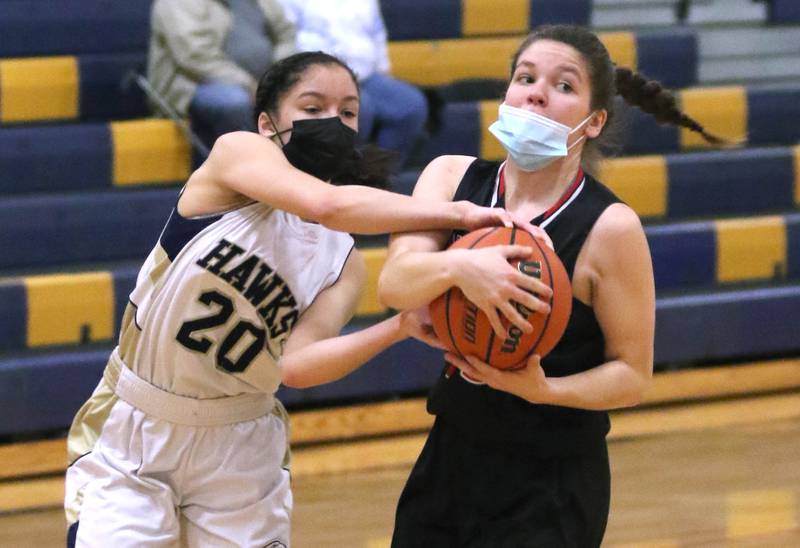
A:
x,y
493,415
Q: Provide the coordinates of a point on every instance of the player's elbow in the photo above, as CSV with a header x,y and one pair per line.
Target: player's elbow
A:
x,y
385,297
389,293
330,208
291,378
640,383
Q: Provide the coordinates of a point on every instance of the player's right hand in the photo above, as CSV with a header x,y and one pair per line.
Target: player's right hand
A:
x,y
535,231
486,278
417,323
475,216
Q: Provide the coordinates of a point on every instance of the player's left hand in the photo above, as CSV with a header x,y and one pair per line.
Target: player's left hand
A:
x,y
417,324
528,382
535,231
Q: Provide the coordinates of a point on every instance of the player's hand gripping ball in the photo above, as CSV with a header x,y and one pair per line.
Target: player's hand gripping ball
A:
x,y
466,330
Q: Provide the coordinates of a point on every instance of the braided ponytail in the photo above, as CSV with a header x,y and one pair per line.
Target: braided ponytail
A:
x,y
650,97
608,80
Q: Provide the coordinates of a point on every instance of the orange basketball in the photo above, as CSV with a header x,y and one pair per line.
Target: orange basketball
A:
x,y
465,329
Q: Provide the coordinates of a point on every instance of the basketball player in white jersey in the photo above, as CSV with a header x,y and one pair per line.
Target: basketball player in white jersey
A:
x,y
249,285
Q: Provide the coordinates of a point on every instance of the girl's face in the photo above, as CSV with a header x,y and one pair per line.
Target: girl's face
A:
x,y
552,79
323,91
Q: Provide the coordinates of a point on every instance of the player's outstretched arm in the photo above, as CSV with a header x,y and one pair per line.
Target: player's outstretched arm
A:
x,y
247,164
417,271
316,354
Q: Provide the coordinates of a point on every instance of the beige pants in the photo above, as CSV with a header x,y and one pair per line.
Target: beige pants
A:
x,y
148,482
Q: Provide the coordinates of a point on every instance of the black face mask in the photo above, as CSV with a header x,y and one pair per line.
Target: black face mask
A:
x,y
320,146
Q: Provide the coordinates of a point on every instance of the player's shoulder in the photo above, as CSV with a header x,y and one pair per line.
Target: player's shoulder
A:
x,y
452,164
618,219
442,175
236,139
618,233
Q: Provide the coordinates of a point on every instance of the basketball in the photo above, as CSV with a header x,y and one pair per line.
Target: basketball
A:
x,y
466,330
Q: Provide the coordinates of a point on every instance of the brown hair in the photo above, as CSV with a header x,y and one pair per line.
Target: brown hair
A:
x,y
608,80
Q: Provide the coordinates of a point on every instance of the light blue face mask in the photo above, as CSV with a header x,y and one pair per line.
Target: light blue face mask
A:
x,y
533,140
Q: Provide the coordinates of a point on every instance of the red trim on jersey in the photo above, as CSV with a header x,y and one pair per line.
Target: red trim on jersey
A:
x,y
566,196
501,190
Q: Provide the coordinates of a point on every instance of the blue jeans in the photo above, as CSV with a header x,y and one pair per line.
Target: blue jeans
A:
x,y
218,108
392,113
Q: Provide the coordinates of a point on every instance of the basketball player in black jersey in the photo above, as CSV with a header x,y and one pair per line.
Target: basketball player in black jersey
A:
x,y
519,458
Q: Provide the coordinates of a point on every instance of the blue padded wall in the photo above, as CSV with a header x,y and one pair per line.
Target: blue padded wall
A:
x,y
55,27
460,133
669,56
784,11
124,281
55,158
421,19
82,227
725,326
104,93
641,134
13,319
43,392
683,255
725,183
554,12
773,115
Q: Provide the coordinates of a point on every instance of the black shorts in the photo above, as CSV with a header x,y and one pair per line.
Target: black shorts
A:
x,y
463,493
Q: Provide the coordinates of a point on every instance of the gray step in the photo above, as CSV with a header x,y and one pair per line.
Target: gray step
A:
x,y
736,44
775,69
749,41
752,54
726,12
621,14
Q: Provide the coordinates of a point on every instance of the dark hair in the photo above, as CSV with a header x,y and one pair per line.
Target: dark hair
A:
x,y
284,74
370,165
608,80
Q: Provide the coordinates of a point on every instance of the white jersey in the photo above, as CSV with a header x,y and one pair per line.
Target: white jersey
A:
x,y
218,296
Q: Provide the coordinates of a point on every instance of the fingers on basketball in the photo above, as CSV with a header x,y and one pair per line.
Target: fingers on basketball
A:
x,y
467,331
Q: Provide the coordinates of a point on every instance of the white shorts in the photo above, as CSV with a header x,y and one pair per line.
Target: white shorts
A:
x,y
149,482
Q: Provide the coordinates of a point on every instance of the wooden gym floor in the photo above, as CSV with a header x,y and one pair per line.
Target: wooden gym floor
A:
x,y
717,473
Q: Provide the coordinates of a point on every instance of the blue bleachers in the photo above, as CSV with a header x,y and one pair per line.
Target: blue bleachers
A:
x,y
432,20
54,27
43,392
783,11
728,326
55,158
763,117
104,94
723,225
81,227
734,182
693,256
88,87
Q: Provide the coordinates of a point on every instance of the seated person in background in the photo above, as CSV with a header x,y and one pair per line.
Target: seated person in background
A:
x,y
393,112
206,56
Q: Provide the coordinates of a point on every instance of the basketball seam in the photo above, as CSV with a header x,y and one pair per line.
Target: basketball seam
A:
x,y
491,336
490,346
448,297
552,298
